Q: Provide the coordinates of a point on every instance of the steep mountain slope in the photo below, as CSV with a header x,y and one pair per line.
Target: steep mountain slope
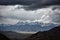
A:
x,y
53,34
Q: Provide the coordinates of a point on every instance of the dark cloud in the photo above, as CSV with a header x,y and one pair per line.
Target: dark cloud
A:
x,y
43,3
32,4
13,2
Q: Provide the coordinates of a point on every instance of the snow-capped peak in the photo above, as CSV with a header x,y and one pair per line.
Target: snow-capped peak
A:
x,y
34,23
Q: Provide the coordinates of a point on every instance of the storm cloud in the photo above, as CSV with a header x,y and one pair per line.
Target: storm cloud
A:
x,y
32,4
43,4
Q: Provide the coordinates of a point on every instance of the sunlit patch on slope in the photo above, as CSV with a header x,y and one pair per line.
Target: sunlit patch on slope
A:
x,y
25,32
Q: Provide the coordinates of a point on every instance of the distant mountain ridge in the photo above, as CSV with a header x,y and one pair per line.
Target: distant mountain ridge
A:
x,y
27,26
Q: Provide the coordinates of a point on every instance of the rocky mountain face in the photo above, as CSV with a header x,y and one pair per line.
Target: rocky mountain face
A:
x,y
26,26
53,34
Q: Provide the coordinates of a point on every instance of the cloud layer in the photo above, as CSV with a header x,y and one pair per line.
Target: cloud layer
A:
x,y
11,14
32,4
42,4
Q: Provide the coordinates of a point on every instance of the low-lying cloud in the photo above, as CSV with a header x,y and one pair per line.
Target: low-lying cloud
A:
x,y
17,12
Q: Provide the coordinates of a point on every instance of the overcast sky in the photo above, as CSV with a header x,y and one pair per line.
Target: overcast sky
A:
x,y
13,11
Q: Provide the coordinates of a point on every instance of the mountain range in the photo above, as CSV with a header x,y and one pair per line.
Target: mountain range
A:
x,y
27,26
52,34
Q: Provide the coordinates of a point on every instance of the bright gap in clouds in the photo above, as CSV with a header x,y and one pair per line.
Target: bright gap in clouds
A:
x,y
11,14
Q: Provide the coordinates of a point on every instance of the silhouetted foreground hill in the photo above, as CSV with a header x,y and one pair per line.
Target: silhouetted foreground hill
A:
x,y
14,35
3,37
53,34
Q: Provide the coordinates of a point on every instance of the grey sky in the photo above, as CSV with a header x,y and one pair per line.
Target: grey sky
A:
x,y
9,14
